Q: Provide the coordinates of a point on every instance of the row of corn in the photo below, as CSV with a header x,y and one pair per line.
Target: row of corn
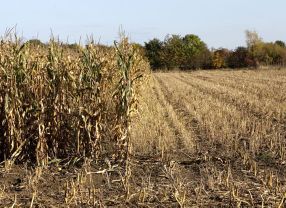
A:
x,y
57,102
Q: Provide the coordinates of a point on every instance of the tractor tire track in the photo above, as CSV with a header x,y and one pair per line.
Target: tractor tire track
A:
x,y
237,85
243,105
188,118
202,98
277,79
172,119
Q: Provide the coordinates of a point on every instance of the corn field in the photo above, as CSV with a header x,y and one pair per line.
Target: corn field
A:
x,y
60,103
90,126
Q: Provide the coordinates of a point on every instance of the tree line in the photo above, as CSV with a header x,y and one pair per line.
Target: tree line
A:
x,y
190,52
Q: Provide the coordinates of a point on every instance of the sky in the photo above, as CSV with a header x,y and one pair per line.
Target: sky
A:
x,y
219,23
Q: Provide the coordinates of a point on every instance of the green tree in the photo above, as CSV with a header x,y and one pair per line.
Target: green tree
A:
x,y
280,43
153,51
189,52
195,52
172,53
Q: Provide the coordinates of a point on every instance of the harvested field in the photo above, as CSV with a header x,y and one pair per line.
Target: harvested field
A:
x,y
220,136
198,139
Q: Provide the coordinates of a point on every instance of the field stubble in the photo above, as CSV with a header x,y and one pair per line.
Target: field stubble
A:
x,y
220,134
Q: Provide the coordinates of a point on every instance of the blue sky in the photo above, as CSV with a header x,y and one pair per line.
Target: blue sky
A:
x,y
220,23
